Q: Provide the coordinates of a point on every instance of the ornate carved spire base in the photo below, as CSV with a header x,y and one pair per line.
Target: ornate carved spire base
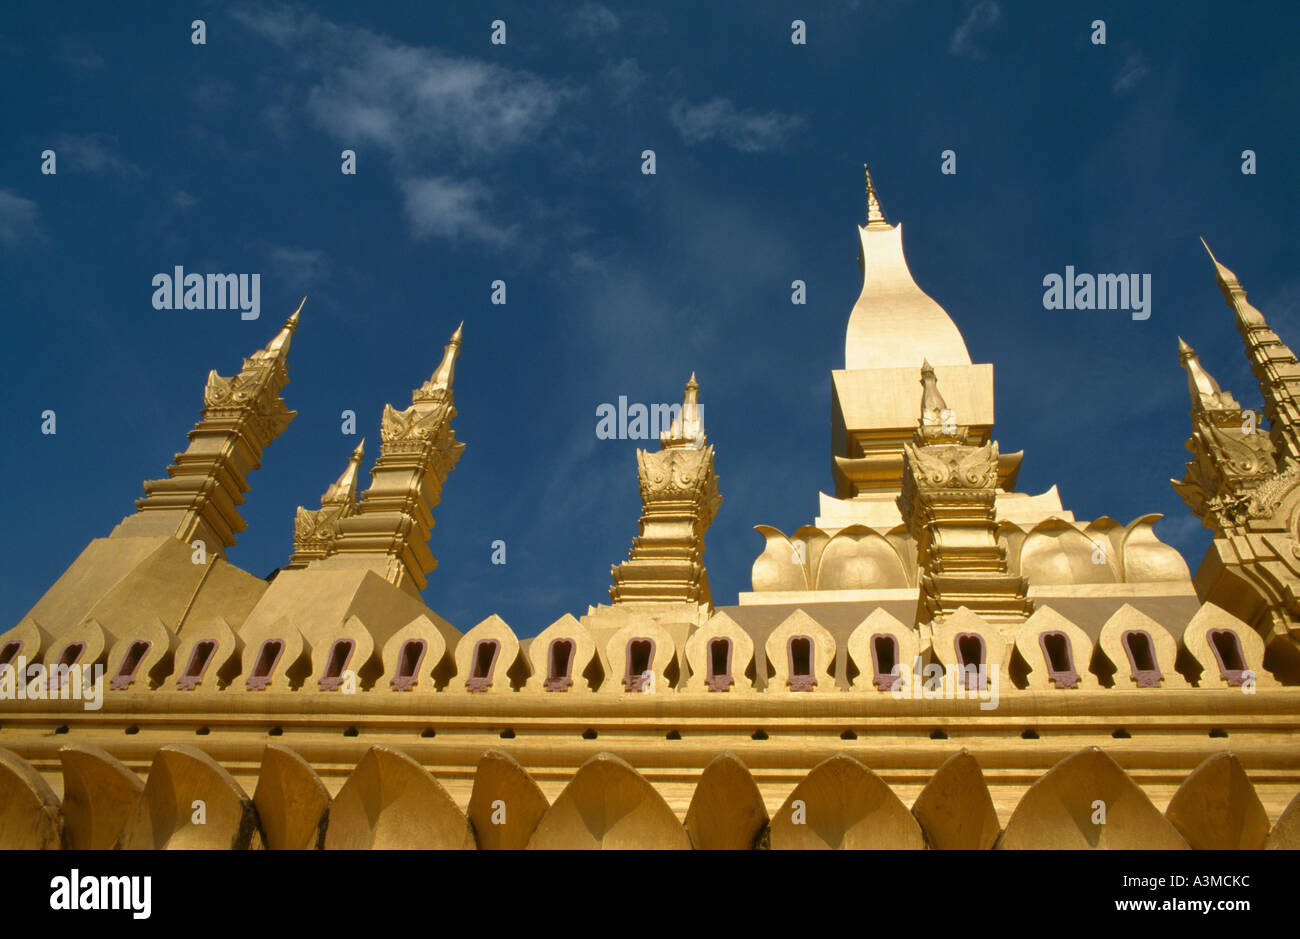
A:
x,y
679,499
241,416
389,532
949,505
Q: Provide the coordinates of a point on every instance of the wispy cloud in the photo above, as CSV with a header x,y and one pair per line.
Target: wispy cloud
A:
x,y
418,106
980,19
18,219
592,20
299,267
95,153
412,101
1131,72
452,209
745,130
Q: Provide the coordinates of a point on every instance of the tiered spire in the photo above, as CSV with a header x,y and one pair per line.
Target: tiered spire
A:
x,y
315,532
1272,362
389,532
875,217
679,499
242,415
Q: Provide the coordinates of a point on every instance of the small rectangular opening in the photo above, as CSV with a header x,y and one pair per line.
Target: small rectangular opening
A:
x,y
130,665
970,656
1227,649
884,655
1141,652
1060,661
69,657
640,653
483,663
9,652
267,657
800,650
201,655
408,664
719,677
559,663
337,661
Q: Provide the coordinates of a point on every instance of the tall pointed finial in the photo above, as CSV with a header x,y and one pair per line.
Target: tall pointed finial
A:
x,y
875,217
1204,390
1227,280
278,348
344,490
688,427
938,424
446,372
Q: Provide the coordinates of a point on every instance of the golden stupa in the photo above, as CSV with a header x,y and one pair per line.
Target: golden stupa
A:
x,y
938,660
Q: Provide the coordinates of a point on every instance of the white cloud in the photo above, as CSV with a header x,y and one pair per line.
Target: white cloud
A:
x,y
1131,72
745,130
298,266
17,219
450,208
94,153
981,17
411,101
592,20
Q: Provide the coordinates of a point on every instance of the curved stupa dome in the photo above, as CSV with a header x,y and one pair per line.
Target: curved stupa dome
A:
x,y
895,324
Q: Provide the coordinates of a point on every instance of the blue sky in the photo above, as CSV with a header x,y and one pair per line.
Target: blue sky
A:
x,y
522,162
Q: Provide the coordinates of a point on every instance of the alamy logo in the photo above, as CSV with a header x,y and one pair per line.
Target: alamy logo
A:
x,y
75,892
181,291
638,422
1099,292
957,682
37,682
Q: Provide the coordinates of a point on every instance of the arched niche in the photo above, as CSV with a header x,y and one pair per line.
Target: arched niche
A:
x,y
484,657
343,659
28,641
636,649
965,639
1141,650
276,657
87,643
802,653
711,660
414,659
141,659
1230,653
1058,652
207,658
559,656
881,647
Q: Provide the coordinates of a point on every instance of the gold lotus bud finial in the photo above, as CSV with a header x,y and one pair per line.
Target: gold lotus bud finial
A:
x,y
1205,391
875,217
446,371
344,490
688,427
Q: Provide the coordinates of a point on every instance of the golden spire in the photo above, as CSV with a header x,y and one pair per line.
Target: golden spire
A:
x,y
1205,391
875,217
278,348
446,371
344,490
932,403
1271,361
688,427
938,423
